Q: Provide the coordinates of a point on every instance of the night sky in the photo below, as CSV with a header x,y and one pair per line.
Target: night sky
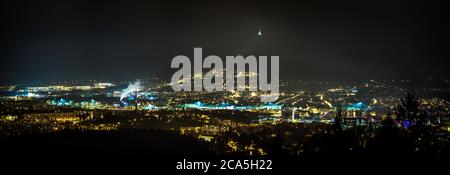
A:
x,y
316,40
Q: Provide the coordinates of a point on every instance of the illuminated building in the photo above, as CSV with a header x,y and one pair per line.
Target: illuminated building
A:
x,y
52,117
293,114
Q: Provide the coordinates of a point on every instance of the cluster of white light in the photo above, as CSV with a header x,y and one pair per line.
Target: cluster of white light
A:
x,y
132,87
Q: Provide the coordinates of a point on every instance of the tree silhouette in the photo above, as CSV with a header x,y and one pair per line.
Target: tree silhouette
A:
x,y
338,118
408,108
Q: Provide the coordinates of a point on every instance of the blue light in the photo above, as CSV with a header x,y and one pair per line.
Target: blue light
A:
x,y
357,106
406,124
150,107
223,104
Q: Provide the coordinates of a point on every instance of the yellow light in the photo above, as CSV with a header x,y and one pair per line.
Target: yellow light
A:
x,y
374,101
206,138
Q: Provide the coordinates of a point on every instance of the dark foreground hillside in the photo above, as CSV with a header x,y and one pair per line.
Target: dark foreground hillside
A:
x,y
123,142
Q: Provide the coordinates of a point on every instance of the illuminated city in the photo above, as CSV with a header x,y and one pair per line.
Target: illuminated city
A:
x,y
228,122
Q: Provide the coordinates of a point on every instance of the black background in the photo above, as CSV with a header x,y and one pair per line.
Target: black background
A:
x,y
52,40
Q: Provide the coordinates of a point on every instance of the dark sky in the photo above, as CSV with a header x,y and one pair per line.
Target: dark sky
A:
x,y
316,40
